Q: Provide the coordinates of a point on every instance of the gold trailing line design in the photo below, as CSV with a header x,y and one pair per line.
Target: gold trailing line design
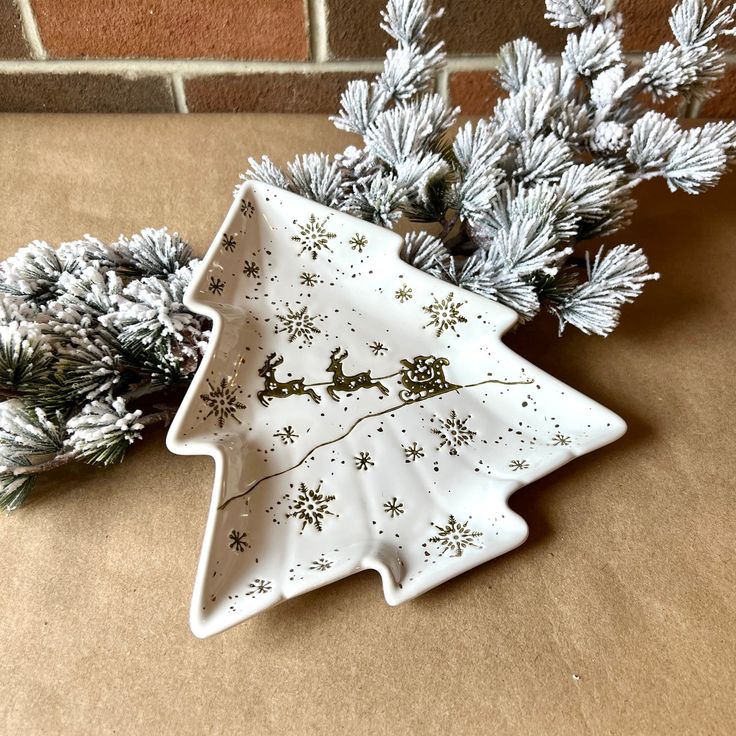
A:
x,y
395,407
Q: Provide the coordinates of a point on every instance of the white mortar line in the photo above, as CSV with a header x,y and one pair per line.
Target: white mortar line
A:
x,y
203,67
185,67
490,62
442,85
180,96
30,29
317,14
472,63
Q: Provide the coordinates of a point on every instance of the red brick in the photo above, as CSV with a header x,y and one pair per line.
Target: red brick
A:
x,y
13,44
645,23
468,27
219,29
671,106
723,105
84,93
481,27
475,92
268,92
352,29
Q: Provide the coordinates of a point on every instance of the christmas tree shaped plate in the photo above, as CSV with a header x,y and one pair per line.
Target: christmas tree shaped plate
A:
x,y
361,413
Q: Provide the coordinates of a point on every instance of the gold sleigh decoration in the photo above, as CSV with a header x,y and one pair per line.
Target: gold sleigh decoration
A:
x,y
424,377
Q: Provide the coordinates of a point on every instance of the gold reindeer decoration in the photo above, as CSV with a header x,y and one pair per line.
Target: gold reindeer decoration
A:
x,y
273,389
348,384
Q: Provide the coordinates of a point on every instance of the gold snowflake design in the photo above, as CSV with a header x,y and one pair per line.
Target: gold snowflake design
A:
x,y
251,269
363,461
216,285
454,432
228,242
222,401
313,237
259,586
412,452
455,537
247,208
358,242
377,348
238,541
298,325
394,507
321,564
308,279
444,314
404,293
519,465
560,440
310,506
287,435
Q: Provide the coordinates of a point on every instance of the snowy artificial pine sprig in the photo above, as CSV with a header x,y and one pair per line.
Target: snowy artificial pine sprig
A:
x,y
95,345
509,201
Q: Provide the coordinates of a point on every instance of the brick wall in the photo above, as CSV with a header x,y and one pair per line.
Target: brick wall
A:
x,y
260,55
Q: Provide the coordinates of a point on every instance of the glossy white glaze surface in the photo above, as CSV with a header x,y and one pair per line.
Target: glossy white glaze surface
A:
x,y
361,413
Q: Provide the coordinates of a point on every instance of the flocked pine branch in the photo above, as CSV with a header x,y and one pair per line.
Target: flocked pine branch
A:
x,y
95,344
508,201
616,277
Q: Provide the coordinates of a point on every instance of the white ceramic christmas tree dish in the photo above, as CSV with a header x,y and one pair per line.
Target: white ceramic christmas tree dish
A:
x,y
362,414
